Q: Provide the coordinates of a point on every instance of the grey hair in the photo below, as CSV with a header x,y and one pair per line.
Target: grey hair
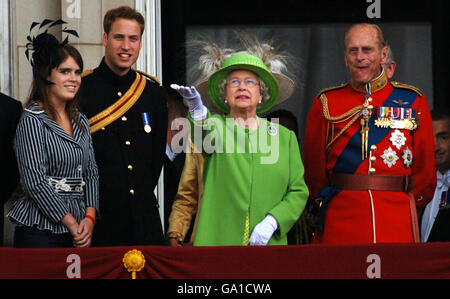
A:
x,y
264,90
390,57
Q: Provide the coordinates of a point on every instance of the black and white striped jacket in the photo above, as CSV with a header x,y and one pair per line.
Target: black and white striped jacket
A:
x,y
58,172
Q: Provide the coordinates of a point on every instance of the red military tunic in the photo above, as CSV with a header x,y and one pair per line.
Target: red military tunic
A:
x,y
354,216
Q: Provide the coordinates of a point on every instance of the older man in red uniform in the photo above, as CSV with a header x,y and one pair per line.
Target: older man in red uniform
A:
x,y
369,151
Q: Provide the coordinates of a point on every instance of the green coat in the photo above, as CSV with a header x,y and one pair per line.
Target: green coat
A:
x,y
247,176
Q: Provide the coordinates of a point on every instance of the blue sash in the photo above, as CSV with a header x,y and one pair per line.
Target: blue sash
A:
x,y
350,158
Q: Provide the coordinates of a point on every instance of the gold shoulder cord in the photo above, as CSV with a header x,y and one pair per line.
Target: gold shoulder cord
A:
x,y
154,78
87,72
352,114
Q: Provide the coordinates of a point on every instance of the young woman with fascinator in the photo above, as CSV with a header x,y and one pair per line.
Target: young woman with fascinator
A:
x,y
53,146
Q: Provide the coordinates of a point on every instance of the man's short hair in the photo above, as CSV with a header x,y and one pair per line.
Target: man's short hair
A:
x,y
124,12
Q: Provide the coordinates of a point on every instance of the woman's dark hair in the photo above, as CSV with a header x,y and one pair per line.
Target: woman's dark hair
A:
x,y
39,88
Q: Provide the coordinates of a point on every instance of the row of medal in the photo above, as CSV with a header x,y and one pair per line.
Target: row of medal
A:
x,y
393,118
396,118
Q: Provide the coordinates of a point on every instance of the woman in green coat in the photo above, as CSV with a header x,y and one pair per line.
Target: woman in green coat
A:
x,y
253,174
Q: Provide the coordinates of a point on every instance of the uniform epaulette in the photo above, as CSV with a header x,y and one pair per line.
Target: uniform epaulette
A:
x,y
148,76
407,86
87,72
332,88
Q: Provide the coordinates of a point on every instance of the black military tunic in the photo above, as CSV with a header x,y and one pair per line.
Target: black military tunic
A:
x,y
129,159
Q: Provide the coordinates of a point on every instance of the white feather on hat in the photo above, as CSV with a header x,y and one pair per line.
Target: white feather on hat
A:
x,y
212,57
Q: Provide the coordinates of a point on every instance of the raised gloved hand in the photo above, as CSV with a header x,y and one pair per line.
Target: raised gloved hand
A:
x,y
263,231
194,100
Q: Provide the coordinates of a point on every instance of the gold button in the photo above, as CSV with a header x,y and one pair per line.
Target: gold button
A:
x,y
119,94
124,118
130,167
103,128
131,191
127,143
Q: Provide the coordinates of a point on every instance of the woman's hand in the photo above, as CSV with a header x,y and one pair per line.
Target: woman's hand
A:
x,y
71,223
188,93
263,231
84,233
174,242
85,229
196,108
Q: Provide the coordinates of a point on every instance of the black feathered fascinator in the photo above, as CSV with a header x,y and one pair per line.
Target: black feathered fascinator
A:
x,y
43,46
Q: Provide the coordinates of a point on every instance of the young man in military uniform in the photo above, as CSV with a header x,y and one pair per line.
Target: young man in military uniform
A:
x,y
128,117
368,150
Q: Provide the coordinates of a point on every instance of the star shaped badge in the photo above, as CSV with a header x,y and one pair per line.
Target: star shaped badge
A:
x,y
389,157
407,157
398,139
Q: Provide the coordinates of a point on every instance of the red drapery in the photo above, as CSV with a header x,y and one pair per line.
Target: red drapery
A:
x,y
426,260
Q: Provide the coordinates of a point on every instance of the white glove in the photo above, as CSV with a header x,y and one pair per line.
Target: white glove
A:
x,y
263,231
194,100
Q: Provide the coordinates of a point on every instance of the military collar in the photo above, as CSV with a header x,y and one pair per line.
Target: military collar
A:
x,y
109,75
373,86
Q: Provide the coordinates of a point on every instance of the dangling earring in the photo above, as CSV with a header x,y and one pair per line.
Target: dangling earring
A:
x,y
225,101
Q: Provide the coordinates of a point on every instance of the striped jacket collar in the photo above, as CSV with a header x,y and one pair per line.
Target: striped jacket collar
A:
x,y
36,109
